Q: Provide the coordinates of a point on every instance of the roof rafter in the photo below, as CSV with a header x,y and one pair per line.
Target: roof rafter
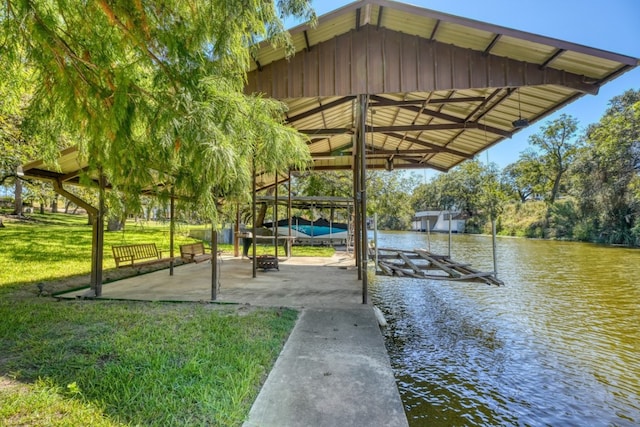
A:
x,y
320,109
457,122
430,145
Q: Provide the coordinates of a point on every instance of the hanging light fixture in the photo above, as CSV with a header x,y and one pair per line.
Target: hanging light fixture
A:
x,y
390,164
520,123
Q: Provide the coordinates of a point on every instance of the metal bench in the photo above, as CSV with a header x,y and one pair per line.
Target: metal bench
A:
x,y
137,254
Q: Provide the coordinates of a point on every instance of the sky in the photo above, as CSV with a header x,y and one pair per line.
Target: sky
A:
x,y
612,25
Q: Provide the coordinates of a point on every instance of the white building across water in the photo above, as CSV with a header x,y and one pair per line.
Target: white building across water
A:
x,y
438,221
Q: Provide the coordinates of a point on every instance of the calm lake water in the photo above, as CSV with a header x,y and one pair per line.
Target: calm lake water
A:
x,y
559,345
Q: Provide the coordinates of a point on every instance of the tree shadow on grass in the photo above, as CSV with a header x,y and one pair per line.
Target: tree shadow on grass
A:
x,y
144,363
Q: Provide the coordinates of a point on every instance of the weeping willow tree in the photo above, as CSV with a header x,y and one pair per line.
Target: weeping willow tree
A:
x,y
152,91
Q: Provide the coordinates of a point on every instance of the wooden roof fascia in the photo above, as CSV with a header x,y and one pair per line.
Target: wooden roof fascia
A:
x,y
623,69
460,73
479,25
37,163
42,173
506,31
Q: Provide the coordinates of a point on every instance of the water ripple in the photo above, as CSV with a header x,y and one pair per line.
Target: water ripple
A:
x,y
557,346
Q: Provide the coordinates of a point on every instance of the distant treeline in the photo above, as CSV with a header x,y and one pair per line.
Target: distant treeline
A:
x,y
569,184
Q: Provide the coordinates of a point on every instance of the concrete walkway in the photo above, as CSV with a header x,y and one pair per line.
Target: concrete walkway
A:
x,y
333,371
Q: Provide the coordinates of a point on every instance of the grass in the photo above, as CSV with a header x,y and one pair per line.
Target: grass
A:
x,y
58,245
301,251
109,363
115,363
53,246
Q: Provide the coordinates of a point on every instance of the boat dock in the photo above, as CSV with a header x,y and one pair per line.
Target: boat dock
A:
x,y
422,264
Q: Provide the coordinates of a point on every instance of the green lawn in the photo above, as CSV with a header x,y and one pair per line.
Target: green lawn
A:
x,y
108,363
53,246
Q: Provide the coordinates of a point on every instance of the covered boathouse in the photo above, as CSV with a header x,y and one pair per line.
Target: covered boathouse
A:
x,y
380,84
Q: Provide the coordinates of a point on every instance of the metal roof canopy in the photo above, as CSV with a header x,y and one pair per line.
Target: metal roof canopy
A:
x,y
440,88
309,202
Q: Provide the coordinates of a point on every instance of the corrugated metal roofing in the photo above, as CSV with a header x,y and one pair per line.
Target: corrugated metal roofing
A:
x,y
445,125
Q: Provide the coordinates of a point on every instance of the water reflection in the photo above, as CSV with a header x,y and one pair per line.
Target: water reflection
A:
x,y
558,345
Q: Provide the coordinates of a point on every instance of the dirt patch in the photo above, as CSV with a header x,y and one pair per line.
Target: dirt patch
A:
x,y
7,384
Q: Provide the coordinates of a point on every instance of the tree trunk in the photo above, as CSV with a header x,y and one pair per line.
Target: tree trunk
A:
x,y
114,224
261,214
17,206
54,204
555,189
1,224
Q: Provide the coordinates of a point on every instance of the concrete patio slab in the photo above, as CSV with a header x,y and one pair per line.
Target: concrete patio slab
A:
x,y
300,282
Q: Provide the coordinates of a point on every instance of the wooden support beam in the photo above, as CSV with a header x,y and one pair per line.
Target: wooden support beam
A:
x,y
410,263
385,102
441,265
